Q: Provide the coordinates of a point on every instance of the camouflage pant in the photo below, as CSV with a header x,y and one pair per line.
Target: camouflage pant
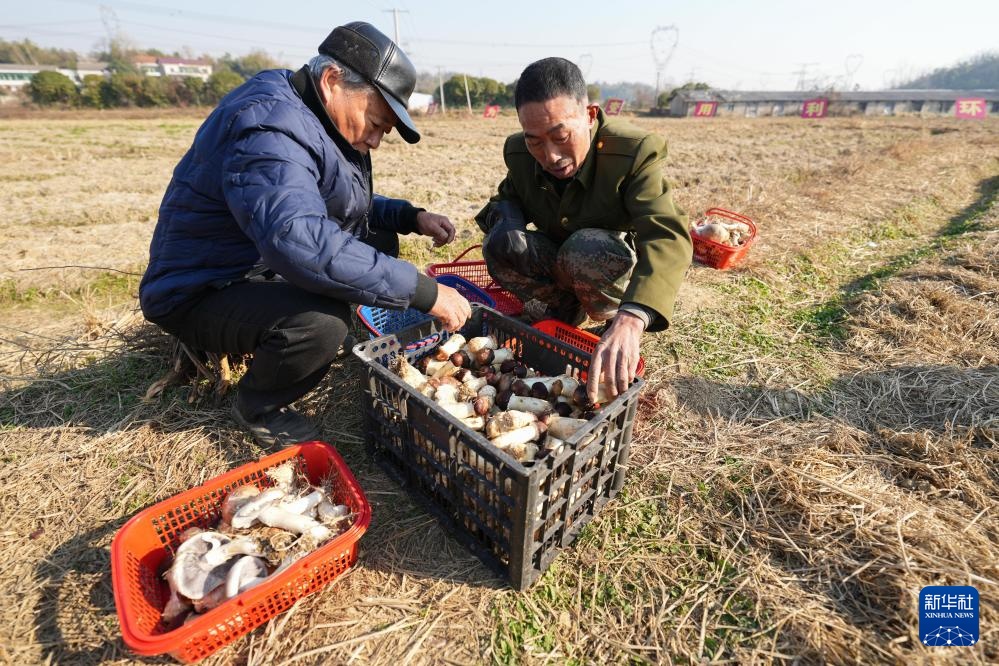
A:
x,y
588,272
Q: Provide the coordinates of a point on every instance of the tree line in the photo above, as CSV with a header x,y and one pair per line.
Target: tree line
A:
x,y
127,85
979,72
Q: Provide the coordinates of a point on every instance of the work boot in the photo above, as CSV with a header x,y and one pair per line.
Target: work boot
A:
x,y
281,427
535,310
348,344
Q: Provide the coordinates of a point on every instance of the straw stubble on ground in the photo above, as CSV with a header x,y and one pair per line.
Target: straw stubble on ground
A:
x,y
816,441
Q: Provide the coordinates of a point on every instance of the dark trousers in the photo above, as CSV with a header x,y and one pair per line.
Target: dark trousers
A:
x,y
294,335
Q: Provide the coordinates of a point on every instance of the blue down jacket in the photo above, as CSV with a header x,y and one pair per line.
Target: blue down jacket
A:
x,y
268,180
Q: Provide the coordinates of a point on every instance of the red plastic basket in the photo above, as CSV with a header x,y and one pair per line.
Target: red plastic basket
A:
x,y
719,255
141,546
582,340
475,272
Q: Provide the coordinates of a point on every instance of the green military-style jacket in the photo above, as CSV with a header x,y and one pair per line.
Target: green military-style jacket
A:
x,y
620,186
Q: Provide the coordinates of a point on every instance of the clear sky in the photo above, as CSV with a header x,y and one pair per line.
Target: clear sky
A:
x,y
726,43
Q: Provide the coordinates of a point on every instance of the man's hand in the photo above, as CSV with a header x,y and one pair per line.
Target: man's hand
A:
x,y
436,226
616,356
451,308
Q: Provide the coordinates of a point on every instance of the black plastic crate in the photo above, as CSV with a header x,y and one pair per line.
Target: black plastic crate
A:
x,y
514,517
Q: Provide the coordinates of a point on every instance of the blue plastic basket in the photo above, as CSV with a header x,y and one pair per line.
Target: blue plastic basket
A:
x,y
380,321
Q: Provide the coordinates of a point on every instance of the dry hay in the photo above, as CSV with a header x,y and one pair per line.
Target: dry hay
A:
x,y
785,506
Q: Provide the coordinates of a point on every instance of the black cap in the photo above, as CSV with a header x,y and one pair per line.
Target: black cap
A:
x,y
381,63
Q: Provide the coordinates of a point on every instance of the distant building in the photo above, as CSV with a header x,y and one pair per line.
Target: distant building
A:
x,y
420,102
14,77
751,104
147,65
201,69
156,66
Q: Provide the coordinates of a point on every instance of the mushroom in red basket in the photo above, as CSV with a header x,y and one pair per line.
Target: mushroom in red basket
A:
x,y
236,499
303,504
713,231
247,514
247,572
224,552
190,574
726,232
332,514
275,516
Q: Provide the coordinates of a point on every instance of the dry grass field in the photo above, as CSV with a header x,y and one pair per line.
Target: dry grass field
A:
x,y
817,440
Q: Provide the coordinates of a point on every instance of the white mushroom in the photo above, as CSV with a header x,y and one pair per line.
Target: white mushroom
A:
x,y
191,575
247,572
713,232
508,420
304,504
248,513
533,405
226,551
400,366
453,344
330,514
236,498
528,433
275,516
477,344
562,427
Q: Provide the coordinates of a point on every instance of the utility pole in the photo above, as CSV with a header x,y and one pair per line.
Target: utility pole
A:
x,y
395,16
440,81
468,98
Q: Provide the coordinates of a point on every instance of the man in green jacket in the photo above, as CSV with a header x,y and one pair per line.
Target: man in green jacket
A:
x,y
609,241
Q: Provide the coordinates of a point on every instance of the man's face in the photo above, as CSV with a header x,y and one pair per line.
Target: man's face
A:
x,y
557,133
362,116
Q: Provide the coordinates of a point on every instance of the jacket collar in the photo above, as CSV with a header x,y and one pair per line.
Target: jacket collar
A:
x,y
306,88
587,171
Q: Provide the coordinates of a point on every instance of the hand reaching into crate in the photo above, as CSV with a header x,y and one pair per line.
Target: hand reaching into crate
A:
x,y
612,366
451,308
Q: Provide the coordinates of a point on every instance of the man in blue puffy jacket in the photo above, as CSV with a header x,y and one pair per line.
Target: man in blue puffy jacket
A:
x,y
278,182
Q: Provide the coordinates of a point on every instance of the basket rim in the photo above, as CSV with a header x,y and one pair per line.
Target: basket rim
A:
x,y
145,644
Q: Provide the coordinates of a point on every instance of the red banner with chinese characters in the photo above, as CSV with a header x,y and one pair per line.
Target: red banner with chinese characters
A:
x,y
705,109
491,111
613,106
969,107
815,108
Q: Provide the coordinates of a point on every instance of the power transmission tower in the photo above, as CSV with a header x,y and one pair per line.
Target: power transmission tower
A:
x,y
663,43
585,63
395,16
850,66
802,72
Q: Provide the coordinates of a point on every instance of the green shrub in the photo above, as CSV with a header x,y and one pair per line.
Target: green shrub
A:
x,y
49,88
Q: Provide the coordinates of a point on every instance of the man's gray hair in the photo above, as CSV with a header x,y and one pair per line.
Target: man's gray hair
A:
x,y
351,79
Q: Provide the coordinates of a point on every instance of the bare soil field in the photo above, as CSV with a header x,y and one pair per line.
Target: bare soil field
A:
x,y
817,440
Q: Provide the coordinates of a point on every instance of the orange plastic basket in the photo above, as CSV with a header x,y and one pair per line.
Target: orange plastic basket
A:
x,y
582,340
141,546
719,255
475,272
